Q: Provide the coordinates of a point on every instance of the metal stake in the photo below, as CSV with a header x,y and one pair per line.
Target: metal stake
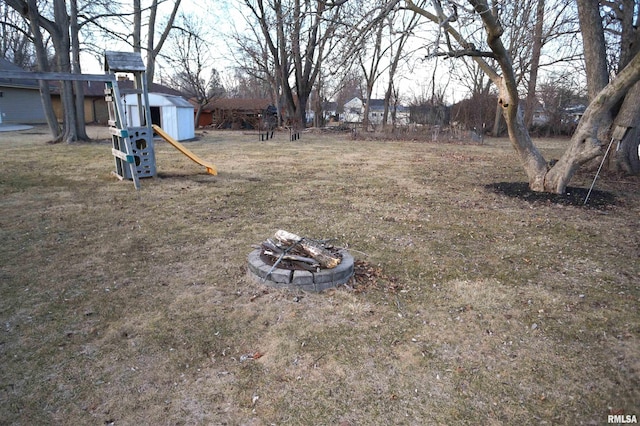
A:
x,y
598,172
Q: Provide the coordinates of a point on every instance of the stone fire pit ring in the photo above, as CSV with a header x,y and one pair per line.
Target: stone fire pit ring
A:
x,y
300,279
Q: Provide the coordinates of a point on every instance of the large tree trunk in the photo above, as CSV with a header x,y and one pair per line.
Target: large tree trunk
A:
x,y
626,158
585,143
43,65
78,86
595,55
62,44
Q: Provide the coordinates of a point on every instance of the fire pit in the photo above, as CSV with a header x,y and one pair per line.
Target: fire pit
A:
x,y
290,261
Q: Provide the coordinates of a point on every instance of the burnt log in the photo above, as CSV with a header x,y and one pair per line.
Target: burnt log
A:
x,y
311,248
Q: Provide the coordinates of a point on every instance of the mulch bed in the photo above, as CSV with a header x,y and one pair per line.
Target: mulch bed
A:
x,y
572,197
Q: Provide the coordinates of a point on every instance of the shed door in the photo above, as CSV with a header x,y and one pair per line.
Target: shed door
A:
x,y
155,116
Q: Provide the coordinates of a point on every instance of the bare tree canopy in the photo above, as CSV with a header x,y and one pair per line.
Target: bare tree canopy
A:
x,y
189,54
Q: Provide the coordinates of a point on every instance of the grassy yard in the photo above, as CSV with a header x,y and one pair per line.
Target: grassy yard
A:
x,y
133,307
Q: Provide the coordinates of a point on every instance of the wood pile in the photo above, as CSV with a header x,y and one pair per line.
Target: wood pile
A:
x,y
290,251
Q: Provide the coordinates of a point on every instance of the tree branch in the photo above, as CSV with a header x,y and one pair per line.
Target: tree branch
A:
x,y
488,69
466,52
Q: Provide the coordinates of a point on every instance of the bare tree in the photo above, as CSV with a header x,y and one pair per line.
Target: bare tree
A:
x,y
15,39
401,25
190,57
297,36
257,72
369,58
62,22
154,47
585,144
144,16
242,84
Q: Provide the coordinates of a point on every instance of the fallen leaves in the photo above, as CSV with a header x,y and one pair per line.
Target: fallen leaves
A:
x,y
367,275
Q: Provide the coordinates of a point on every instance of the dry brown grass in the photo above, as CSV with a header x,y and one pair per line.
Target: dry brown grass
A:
x,y
130,307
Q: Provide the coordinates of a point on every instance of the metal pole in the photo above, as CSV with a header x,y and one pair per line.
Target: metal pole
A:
x,y
598,172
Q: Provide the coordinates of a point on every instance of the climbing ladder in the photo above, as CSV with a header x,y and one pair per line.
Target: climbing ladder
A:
x,y
131,132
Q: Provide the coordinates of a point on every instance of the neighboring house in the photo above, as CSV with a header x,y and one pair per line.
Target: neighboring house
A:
x,y
20,100
95,106
574,113
540,115
353,111
173,113
567,116
376,111
403,115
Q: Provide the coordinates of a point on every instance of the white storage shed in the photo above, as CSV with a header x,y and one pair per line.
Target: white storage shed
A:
x,y
173,113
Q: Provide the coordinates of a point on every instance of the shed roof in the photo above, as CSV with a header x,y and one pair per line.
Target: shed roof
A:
x,y
123,61
178,101
161,99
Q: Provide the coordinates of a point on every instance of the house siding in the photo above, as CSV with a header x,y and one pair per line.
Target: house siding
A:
x,y
19,105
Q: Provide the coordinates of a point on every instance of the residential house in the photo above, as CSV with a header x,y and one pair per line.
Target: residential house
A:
x,y
376,113
20,100
354,112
